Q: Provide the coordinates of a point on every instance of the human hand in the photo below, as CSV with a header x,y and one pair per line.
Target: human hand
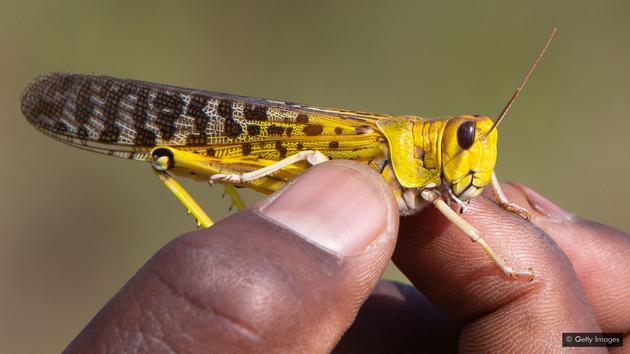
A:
x,y
290,273
582,270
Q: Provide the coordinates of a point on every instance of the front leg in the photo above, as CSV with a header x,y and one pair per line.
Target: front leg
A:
x,y
503,202
435,198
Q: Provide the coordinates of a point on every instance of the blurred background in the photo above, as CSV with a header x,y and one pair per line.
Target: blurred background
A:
x,y
74,226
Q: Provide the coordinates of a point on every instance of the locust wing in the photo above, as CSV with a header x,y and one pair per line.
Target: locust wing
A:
x,y
127,118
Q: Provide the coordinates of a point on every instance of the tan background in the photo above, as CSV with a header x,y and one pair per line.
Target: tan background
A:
x,y
75,226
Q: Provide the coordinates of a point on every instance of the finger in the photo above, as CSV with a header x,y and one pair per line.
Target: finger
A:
x,y
497,314
286,276
397,318
600,255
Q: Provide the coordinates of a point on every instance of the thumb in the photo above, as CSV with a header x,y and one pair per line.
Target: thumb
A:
x,y
286,275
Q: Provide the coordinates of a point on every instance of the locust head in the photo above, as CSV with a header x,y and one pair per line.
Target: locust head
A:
x,y
469,153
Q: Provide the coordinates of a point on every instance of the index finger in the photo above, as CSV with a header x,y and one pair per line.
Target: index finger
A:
x,y
599,254
496,313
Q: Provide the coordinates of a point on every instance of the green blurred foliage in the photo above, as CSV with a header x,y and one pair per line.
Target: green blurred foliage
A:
x,y
75,225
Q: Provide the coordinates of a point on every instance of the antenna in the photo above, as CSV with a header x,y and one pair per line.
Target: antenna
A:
x,y
520,87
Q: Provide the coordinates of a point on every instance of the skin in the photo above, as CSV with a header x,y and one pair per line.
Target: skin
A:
x,y
290,274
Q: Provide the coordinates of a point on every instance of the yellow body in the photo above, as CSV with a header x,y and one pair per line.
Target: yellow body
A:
x,y
415,154
263,144
206,134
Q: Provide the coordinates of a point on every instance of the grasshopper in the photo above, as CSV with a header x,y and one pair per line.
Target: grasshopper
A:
x,y
262,144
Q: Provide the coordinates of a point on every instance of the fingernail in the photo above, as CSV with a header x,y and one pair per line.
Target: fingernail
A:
x,y
545,206
336,207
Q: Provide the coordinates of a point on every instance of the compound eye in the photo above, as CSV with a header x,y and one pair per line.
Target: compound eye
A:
x,y
466,134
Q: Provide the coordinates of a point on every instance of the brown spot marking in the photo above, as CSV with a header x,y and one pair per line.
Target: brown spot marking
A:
x,y
253,129
300,146
140,115
168,106
195,139
333,144
211,152
52,103
247,149
83,133
289,131
252,112
54,98
275,130
84,105
145,137
301,118
111,109
281,149
224,109
313,129
109,134
60,127
113,95
231,128
196,110
338,130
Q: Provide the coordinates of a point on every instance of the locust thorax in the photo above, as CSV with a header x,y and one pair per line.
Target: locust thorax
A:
x,y
469,153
